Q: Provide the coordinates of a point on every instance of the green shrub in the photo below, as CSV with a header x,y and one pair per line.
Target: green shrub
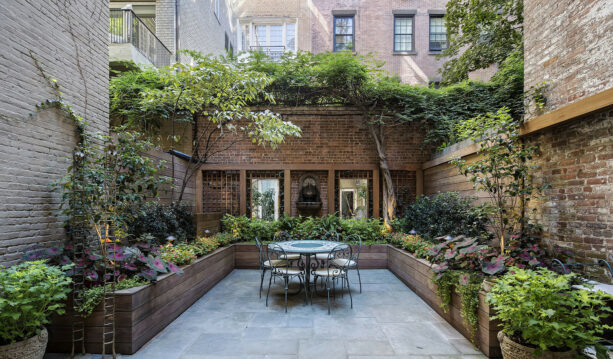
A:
x,y
370,230
444,214
161,221
542,309
412,243
179,254
206,245
224,238
29,293
93,296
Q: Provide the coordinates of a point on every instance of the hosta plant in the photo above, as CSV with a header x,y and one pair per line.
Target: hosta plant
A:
x,y
29,293
542,309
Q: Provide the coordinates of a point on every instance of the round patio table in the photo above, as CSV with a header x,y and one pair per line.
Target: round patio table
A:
x,y
308,248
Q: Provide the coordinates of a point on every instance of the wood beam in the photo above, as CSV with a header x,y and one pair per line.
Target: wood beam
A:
x,y
243,192
419,183
376,190
199,188
331,191
287,192
277,166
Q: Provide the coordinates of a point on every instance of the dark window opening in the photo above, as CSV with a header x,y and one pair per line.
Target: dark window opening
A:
x,y
344,33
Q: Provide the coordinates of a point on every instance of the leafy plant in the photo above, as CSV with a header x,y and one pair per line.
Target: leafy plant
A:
x,y
92,296
162,221
540,308
141,258
179,254
503,170
207,245
467,254
411,243
455,215
29,293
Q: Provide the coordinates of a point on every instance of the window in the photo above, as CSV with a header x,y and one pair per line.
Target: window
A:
x,y
353,195
343,33
216,8
403,33
290,37
438,33
265,198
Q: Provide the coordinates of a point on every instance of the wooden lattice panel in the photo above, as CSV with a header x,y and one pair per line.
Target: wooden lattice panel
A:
x,y
221,192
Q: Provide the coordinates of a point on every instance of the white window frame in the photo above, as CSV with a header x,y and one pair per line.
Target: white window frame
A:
x,y
252,32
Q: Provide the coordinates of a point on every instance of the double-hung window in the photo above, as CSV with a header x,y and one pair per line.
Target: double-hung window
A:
x,y
438,33
344,33
403,33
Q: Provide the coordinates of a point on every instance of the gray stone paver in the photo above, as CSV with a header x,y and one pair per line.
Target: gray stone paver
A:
x,y
387,321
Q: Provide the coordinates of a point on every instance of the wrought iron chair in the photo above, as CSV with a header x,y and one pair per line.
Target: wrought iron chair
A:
x,y
331,272
321,258
355,241
264,264
280,267
283,236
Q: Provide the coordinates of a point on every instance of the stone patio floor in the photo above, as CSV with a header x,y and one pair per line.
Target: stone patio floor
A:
x,y
388,320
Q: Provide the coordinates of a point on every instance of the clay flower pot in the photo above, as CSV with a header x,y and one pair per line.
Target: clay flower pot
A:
x,y
33,348
513,350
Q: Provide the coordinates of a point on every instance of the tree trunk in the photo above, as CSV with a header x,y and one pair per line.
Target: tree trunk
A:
x,y
389,196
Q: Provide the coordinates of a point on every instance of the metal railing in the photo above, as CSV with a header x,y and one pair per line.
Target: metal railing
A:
x,y
273,52
127,28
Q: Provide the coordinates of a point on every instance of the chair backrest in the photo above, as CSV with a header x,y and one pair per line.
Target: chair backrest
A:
x,y
281,236
355,241
339,258
275,255
330,236
259,245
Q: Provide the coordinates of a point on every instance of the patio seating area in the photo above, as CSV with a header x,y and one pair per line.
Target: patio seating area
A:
x,y
231,321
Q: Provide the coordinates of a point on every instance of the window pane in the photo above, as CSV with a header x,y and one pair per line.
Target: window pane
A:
x,y
353,194
260,35
438,33
403,25
343,33
290,37
245,37
276,35
265,198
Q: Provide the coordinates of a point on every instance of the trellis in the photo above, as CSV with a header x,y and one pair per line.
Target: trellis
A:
x,y
221,192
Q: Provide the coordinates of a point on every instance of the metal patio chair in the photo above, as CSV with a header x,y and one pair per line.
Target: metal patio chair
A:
x,y
280,267
331,272
355,241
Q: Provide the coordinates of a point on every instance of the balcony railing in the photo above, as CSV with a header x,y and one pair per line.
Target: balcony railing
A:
x,y
273,52
127,28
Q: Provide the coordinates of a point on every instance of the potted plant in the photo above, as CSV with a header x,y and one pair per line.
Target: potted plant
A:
x,y
543,316
29,293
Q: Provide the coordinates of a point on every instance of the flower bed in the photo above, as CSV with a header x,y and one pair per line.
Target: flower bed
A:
x,y
144,311
417,274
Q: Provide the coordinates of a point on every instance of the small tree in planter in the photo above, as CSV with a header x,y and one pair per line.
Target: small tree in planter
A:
x,y
503,170
543,316
29,293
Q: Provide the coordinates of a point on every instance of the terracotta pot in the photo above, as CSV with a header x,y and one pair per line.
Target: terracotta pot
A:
x,y
513,350
33,348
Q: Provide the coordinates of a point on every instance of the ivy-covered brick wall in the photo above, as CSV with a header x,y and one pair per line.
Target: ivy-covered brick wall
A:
x,y
70,39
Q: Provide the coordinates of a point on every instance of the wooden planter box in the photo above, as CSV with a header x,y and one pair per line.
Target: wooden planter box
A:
x,y
416,273
371,257
142,312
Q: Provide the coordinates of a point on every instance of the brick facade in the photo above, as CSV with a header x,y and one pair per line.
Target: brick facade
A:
x,y
568,44
374,30
70,39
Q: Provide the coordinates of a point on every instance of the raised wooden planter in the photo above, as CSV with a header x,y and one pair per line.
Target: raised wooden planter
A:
x,y
371,257
142,312
416,273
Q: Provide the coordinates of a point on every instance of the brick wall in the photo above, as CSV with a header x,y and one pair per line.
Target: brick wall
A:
x,y
165,23
568,44
70,39
330,136
202,30
323,190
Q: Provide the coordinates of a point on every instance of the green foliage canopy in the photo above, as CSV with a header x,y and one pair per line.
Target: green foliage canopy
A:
x,y
481,33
